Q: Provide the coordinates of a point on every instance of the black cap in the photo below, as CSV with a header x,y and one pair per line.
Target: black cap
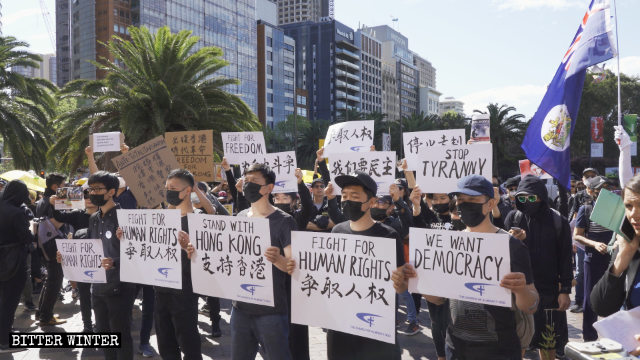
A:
x,y
475,185
596,183
589,169
512,181
317,180
358,178
385,198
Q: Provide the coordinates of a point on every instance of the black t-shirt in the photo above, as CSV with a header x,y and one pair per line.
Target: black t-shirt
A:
x,y
484,331
347,346
280,226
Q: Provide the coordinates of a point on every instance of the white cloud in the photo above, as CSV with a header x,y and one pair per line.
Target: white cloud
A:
x,y
11,18
520,5
525,98
630,65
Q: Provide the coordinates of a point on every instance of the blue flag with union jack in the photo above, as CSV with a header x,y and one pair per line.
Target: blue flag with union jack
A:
x,y
548,136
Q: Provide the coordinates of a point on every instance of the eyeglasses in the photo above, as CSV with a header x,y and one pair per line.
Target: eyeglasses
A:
x,y
96,189
529,198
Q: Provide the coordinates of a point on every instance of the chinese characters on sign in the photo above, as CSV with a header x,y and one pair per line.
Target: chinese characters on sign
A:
x,y
145,169
350,136
149,248
343,282
82,259
282,163
441,167
194,152
238,144
380,165
471,264
418,143
229,258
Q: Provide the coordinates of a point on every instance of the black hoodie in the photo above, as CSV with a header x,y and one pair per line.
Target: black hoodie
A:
x,y
14,222
550,252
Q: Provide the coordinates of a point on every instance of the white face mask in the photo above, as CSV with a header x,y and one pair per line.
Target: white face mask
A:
x,y
194,198
512,193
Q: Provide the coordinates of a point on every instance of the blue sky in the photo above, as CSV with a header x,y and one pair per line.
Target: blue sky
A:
x,y
484,51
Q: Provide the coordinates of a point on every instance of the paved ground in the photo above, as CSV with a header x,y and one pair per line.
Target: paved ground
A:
x,y
419,346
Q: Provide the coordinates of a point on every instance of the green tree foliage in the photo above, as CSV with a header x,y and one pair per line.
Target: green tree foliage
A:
x,y
156,83
26,105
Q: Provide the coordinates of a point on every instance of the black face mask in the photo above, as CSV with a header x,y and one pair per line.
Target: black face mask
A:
x,y
284,207
352,210
528,208
97,199
471,213
173,197
251,191
441,208
458,225
378,214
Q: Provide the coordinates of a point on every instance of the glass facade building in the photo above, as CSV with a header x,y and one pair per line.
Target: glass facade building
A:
x,y
227,24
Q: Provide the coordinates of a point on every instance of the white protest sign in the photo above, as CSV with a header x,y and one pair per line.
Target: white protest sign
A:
x,y
470,264
82,259
350,136
418,143
343,282
237,144
380,165
149,248
282,163
107,141
229,259
441,167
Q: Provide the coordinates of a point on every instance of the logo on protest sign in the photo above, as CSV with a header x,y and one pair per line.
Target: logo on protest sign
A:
x,y
164,271
90,273
359,148
250,288
367,318
556,128
477,287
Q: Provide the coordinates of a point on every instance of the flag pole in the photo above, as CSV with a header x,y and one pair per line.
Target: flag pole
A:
x,y
615,12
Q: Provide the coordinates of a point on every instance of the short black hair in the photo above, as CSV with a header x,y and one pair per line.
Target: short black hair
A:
x,y
54,179
182,174
264,169
203,186
109,180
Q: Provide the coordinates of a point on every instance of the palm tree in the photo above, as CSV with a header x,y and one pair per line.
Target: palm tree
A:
x,y
308,142
156,83
507,131
26,105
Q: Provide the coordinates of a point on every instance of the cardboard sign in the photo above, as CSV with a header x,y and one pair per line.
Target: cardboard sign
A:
x,y
417,143
282,163
380,165
145,169
529,168
107,141
343,282
82,260
238,144
441,167
470,264
480,128
350,136
229,260
69,198
149,248
194,152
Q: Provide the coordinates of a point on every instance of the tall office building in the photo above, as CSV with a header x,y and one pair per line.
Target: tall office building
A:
x,y
276,74
230,25
371,74
398,58
451,104
295,11
430,100
327,67
47,69
426,70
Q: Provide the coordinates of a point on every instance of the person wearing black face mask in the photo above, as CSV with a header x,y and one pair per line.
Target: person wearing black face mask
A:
x,y
548,236
470,337
358,198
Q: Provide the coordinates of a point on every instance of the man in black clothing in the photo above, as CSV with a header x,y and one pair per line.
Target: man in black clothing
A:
x,y
16,237
52,285
547,235
358,199
112,301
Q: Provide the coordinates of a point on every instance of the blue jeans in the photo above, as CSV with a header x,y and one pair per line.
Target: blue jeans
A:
x,y
412,315
271,331
580,277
